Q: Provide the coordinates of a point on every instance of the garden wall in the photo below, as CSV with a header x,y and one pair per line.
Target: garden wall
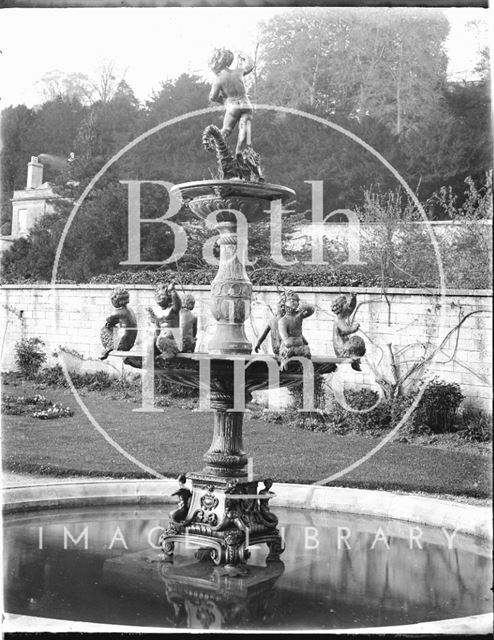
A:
x,y
412,321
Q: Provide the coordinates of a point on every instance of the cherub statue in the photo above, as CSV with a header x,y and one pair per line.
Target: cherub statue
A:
x,y
272,327
169,300
124,318
184,496
229,89
344,345
267,494
293,342
188,324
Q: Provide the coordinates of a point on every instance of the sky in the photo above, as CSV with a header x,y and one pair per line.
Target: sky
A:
x,y
150,45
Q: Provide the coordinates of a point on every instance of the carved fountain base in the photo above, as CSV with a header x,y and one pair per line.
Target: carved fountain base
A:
x,y
224,519
225,514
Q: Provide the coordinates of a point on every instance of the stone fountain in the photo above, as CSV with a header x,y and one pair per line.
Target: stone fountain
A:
x,y
225,512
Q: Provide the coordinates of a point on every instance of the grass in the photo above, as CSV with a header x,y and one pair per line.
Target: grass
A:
x,y
174,440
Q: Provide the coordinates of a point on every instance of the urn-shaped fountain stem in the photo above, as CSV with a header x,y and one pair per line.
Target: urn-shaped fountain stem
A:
x,y
231,292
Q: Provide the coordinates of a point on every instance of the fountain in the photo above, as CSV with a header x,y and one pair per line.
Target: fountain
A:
x,y
225,516
225,513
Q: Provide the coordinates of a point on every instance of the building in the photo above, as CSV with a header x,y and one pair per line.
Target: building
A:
x,y
31,203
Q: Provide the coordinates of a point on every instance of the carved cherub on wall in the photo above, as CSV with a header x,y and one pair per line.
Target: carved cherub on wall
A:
x,y
345,344
124,318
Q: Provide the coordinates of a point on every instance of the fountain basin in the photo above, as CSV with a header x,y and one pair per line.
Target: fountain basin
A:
x,y
331,579
184,368
252,199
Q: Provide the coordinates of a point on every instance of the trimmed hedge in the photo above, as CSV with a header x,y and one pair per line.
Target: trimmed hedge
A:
x,y
296,276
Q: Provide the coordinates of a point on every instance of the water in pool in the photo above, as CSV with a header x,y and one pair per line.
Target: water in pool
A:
x,y
338,571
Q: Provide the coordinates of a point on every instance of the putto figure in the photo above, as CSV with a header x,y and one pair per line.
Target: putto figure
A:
x,y
168,299
265,496
345,344
229,89
123,318
188,324
293,342
179,514
272,327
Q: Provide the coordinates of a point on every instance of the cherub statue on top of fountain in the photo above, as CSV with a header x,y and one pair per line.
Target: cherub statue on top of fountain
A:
x,y
168,299
229,89
293,342
345,344
272,327
124,318
188,324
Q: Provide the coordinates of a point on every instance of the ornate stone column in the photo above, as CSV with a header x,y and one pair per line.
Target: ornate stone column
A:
x,y
231,292
225,456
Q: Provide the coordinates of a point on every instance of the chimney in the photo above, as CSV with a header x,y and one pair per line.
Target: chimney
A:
x,y
34,173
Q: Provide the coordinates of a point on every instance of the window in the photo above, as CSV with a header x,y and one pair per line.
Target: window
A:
x,y
22,217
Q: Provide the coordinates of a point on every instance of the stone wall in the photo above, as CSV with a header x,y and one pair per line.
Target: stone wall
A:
x,y
412,321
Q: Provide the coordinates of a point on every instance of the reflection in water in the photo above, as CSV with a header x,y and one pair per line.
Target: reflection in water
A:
x,y
338,571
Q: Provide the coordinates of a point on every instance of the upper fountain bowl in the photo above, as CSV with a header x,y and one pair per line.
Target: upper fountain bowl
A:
x,y
252,199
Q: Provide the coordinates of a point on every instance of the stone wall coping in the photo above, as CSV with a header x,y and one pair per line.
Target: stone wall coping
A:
x,y
481,293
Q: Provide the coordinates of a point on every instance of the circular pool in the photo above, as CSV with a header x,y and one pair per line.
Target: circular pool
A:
x,y
86,554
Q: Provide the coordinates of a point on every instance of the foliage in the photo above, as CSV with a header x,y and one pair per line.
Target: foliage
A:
x,y
379,75
164,387
475,425
49,129
467,251
45,409
336,419
438,405
95,381
436,413
296,391
384,64
401,247
29,356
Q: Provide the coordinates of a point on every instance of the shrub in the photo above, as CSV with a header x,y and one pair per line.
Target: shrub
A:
x,y
52,376
338,420
29,356
475,425
370,422
439,405
93,381
164,387
297,393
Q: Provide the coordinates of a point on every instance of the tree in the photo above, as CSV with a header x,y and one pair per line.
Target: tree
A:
x,y
386,65
59,85
48,129
109,82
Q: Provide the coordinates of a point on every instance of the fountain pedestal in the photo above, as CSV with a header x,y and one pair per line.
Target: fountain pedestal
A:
x,y
226,513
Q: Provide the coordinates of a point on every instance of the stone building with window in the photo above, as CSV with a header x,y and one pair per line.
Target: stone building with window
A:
x,y
33,202
29,204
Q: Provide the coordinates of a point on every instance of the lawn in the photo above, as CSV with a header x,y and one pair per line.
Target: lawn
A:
x,y
175,439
